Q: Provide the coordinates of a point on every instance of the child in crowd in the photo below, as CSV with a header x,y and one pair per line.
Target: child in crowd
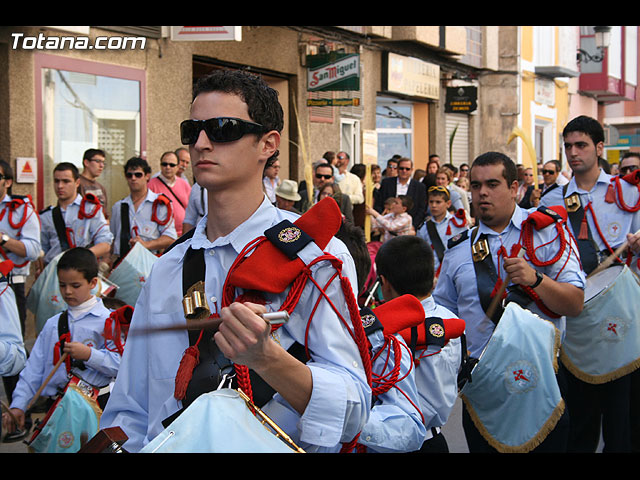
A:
x,y
77,332
405,266
397,221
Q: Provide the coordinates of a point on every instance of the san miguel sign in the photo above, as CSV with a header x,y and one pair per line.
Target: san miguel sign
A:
x,y
333,72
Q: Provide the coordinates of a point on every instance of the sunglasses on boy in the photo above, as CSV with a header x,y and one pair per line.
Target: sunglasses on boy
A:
x,y
219,129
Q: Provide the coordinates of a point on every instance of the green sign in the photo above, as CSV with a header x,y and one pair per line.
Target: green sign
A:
x,y
333,72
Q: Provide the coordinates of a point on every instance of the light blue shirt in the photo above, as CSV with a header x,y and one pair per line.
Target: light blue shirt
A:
x,y
441,229
437,373
12,352
614,223
395,424
88,328
140,221
28,234
142,396
457,289
85,232
197,205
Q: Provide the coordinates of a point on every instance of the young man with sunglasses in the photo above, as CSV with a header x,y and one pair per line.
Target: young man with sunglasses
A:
x,y
233,132
630,163
143,216
175,188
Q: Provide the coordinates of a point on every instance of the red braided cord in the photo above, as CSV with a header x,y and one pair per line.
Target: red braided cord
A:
x,y
620,198
527,241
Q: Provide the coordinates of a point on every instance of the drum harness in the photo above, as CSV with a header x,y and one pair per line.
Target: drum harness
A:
x,y
125,222
10,209
290,271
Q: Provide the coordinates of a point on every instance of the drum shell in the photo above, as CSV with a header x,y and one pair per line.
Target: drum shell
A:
x,y
603,342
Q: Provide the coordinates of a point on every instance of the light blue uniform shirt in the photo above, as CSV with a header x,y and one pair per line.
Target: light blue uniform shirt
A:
x,y
441,229
86,232
142,396
12,352
28,234
395,424
88,328
197,205
457,288
614,222
437,373
140,221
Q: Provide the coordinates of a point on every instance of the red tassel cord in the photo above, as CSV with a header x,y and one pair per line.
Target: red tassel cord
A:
x,y
190,360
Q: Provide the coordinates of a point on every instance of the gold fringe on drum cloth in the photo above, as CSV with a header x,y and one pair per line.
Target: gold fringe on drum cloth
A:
x,y
547,428
598,379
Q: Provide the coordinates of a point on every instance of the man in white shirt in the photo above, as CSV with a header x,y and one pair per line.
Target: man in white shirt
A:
x,y
350,184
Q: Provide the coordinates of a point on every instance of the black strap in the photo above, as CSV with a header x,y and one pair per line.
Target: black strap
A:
x,y
125,229
61,228
436,241
63,328
547,190
174,195
587,247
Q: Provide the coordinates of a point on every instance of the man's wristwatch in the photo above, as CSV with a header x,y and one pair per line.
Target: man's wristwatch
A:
x,y
4,238
538,280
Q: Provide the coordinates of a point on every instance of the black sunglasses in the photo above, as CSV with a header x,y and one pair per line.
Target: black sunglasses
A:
x,y
548,172
220,129
134,174
629,168
167,164
404,168
326,177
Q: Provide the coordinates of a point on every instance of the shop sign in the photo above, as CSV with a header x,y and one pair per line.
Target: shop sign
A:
x,y
461,99
191,34
411,76
333,72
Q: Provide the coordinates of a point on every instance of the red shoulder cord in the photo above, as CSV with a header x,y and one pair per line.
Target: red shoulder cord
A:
x,y
356,329
92,199
116,328
583,233
65,337
526,240
614,194
460,214
161,200
11,207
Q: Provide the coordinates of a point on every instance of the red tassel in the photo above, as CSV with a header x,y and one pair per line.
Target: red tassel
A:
x,y
584,229
449,229
190,359
610,197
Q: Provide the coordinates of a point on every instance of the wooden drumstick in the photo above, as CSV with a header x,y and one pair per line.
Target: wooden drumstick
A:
x,y
498,296
46,381
611,258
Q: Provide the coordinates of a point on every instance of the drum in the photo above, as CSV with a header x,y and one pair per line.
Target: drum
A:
x,y
221,422
513,397
131,273
603,342
73,417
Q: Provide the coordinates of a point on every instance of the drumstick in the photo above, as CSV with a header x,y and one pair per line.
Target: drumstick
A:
x,y
8,410
272,318
611,258
46,381
498,296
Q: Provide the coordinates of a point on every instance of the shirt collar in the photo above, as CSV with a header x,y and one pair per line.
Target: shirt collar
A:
x,y
604,177
259,221
6,198
516,221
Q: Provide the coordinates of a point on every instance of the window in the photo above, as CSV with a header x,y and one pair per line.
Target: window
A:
x,y
394,127
87,105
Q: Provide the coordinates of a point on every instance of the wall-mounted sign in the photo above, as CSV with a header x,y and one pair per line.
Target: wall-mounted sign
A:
x,y
333,102
461,99
411,76
26,171
192,34
333,71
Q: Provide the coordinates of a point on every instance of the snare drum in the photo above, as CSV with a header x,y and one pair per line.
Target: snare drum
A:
x,y
221,422
513,397
131,273
603,342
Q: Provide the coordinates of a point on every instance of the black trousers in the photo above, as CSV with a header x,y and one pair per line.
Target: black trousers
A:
x,y
594,406
556,441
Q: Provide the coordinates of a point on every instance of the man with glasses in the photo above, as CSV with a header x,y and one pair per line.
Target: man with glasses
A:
x,y
348,182
630,163
93,161
404,184
174,187
143,216
320,401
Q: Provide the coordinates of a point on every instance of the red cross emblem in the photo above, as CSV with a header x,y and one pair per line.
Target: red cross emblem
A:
x,y
519,375
612,327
